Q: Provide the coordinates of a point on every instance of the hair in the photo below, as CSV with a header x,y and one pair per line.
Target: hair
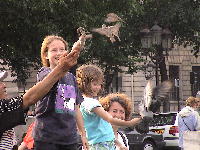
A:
x,y
191,101
44,48
122,99
85,74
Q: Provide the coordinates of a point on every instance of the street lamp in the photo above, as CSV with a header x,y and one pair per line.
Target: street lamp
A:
x,y
159,38
149,70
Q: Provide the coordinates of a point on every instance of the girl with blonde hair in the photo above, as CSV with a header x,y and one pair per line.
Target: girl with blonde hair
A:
x,y
58,114
188,118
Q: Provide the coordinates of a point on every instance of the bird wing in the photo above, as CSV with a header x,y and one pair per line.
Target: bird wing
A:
x,y
159,94
148,94
146,100
102,31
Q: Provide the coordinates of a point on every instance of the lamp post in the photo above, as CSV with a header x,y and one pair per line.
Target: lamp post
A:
x,y
155,42
160,40
149,70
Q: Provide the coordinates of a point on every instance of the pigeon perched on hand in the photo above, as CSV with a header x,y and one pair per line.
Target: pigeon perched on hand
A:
x,y
83,36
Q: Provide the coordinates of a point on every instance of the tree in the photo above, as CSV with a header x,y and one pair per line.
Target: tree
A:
x,y
25,23
182,17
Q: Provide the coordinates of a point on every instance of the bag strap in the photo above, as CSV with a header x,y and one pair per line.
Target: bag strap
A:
x,y
123,138
185,124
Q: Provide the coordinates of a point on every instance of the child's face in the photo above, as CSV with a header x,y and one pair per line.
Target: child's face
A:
x,y
55,49
3,93
117,111
96,87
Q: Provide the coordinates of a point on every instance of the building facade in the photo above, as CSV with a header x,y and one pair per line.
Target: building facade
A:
x,y
183,70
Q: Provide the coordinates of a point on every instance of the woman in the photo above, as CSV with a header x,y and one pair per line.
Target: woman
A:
x,y
119,106
188,118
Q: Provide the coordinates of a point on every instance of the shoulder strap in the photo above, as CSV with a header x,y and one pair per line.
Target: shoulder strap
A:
x,y
185,123
123,137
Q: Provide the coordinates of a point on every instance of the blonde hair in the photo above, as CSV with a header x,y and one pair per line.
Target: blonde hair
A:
x,y
122,99
85,74
44,48
191,101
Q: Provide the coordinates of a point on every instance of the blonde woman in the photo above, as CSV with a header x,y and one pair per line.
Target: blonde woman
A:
x,y
188,118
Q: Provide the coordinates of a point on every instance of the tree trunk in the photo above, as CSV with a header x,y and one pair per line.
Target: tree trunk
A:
x,y
108,80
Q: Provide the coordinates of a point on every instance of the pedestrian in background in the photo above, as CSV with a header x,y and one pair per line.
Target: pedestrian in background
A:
x,y
96,120
198,97
119,106
58,114
188,119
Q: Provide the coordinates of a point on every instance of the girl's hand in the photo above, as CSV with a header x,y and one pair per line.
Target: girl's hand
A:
x,y
135,121
68,60
85,143
123,148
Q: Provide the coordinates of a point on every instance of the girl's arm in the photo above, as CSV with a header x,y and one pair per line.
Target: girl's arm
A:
x,y
119,145
38,91
107,117
80,125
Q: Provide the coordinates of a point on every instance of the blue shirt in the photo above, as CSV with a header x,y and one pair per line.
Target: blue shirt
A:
x,y
188,120
97,129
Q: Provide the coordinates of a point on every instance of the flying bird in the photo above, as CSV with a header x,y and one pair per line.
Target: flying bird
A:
x,y
151,102
112,17
112,32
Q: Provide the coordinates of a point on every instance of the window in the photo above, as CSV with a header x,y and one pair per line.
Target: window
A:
x,y
116,84
195,80
163,119
174,77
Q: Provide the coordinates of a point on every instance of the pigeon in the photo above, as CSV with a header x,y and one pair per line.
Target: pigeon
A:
x,y
112,17
82,33
151,102
160,94
110,31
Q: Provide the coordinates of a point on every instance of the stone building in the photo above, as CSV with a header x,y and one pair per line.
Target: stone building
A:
x,y
183,68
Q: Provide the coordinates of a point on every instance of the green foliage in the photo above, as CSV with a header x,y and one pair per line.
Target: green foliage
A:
x,y
24,24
